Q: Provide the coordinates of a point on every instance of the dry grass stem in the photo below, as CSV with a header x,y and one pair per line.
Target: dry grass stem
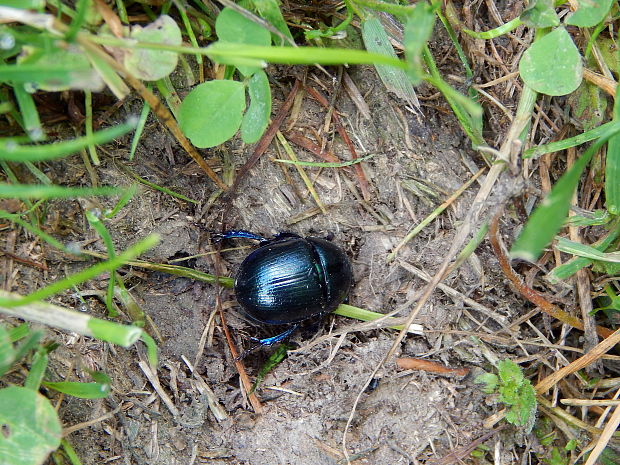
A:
x,y
589,402
606,435
154,380
582,362
202,386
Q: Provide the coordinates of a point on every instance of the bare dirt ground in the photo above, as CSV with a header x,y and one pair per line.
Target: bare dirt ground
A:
x,y
411,416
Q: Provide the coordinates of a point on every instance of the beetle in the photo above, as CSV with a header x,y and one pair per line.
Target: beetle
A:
x,y
289,278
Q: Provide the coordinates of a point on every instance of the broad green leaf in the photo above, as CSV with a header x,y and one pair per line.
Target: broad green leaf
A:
x,y
29,432
270,10
211,113
149,64
53,70
522,411
81,390
377,41
256,119
552,64
539,14
489,380
548,218
233,27
510,373
589,13
517,393
609,51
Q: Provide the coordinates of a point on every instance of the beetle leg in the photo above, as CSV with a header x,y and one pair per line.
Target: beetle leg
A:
x,y
268,341
239,233
278,338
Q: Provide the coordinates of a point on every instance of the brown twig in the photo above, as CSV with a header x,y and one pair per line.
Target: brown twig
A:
x,y
264,142
24,261
345,137
311,146
602,82
527,292
606,435
580,363
456,455
245,379
408,363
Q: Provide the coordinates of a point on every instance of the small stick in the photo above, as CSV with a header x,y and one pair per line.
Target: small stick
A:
x,y
463,452
345,137
71,429
218,411
152,377
25,261
434,215
245,379
408,363
580,363
531,294
243,376
289,151
606,435
602,82
264,142
589,402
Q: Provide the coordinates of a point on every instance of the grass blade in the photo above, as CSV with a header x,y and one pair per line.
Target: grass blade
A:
x,y
549,217
40,191
583,250
11,151
395,80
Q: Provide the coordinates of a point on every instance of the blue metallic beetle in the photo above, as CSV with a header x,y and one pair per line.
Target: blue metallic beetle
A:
x,y
289,279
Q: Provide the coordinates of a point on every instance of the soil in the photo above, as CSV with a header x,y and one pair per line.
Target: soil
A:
x,y
409,417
